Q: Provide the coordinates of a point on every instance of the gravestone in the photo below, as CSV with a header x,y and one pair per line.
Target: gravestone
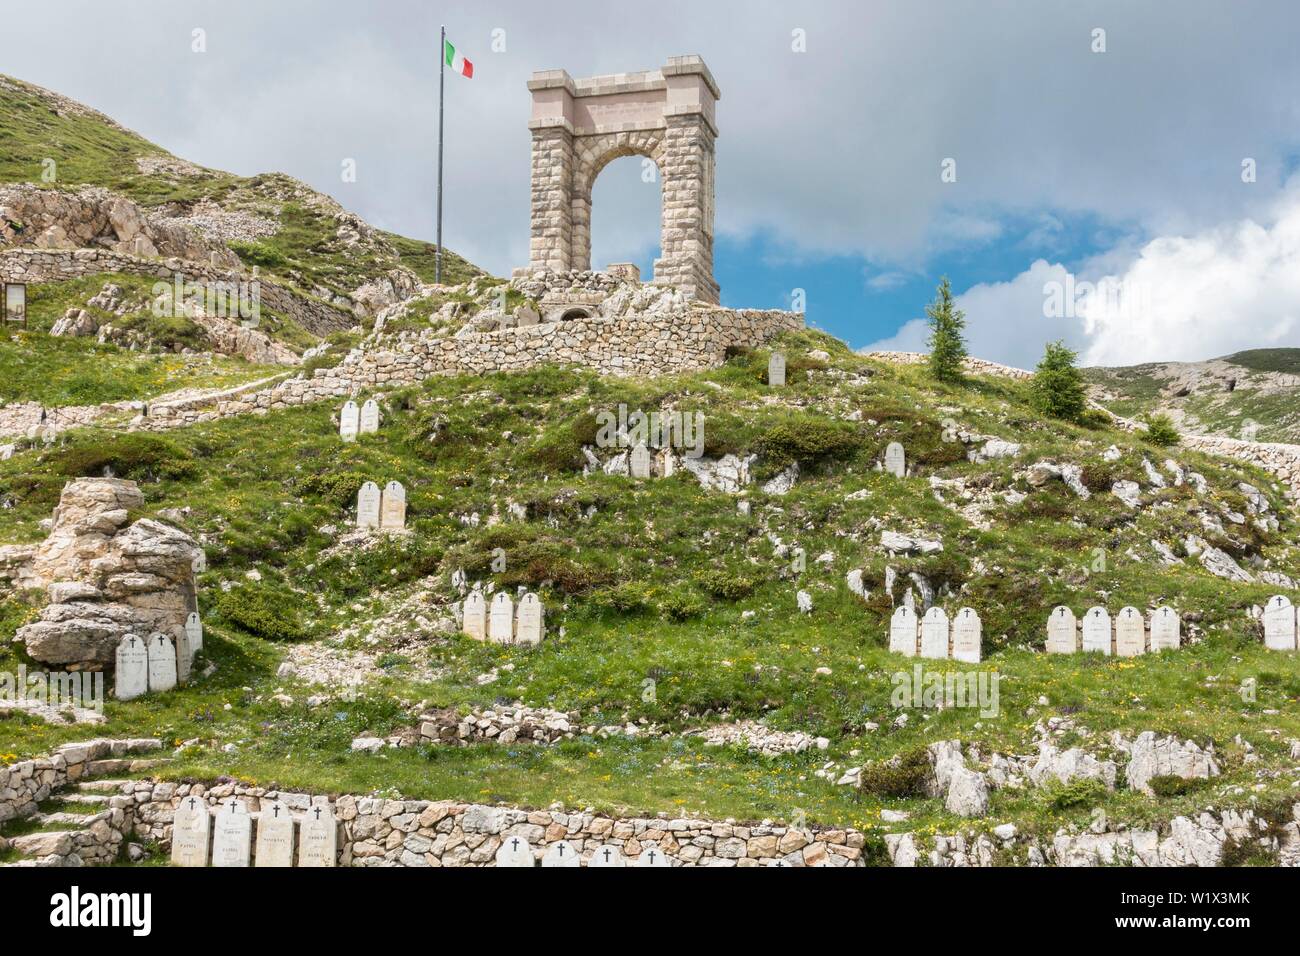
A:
x,y
368,506
194,633
531,628
184,656
1130,633
1166,630
561,853
318,838
162,663
967,636
515,851
1096,630
776,369
639,461
895,460
349,421
653,856
274,836
392,514
903,631
934,634
501,620
232,835
1061,631
609,855
1279,624
368,423
190,826
474,616
131,679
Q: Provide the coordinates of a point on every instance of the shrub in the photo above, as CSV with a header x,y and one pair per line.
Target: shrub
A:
x,y
1160,430
1169,785
140,456
259,254
1075,795
723,584
808,440
338,488
1057,388
902,776
1098,477
630,597
261,611
681,604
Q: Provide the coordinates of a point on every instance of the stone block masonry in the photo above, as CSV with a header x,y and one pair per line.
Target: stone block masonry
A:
x,y
580,126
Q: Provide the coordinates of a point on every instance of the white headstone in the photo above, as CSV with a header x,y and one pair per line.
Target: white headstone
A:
x,y
967,636
194,633
530,629
1096,630
349,421
369,421
1061,631
561,853
232,835
515,851
776,369
653,856
608,855
1166,630
392,515
639,461
184,656
895,460
190,827
474,616
368,506
131,679
1279,624
903,631
501,620
934,634
274,836
162,663
318,838
1130,633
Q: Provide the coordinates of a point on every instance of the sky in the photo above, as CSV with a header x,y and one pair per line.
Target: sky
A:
x,y
1029,150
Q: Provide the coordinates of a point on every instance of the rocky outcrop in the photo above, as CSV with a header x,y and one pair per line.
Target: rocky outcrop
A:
x,y
965,792
105,575
1151,756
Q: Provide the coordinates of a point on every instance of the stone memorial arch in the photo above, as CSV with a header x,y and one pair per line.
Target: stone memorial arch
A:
x,y
580,126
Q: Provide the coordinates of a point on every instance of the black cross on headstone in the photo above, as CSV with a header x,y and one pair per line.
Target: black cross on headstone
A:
x,y
514,844
606,854
560,850
277,811
317,813
652,857
191,803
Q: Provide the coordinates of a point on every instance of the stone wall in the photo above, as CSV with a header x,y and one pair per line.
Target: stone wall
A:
x,y
640,345
33,266
28,783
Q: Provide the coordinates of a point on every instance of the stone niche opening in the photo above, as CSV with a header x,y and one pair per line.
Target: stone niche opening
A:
x,y
570,314
580,126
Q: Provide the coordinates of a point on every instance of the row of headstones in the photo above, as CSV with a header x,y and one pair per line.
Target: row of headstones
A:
x,y
1281,624
1126,637
502,625
386,510
198,841
516,851
157,664
934,637
354,421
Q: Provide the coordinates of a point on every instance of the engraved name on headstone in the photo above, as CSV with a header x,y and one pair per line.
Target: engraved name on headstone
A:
x,y
776,369
1062,631
232,835
934,634
501,619
190,827
1279,624
392,516
317,838
1096,630
966,636
162,663
903,631
368,423
530,628
274,836
368,505
1166,630
1130,633
895,460
474,616
131,679
349,421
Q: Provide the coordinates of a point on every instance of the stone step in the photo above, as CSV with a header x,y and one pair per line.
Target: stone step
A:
x,y
105,786
99,799
65,819
45,843
96,768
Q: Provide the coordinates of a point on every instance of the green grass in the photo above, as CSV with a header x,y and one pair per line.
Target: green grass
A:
x,y
639,588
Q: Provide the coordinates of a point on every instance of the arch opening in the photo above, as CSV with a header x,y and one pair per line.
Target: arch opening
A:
x,y
627,213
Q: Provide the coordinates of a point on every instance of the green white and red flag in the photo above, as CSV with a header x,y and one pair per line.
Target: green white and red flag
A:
x,y
456,61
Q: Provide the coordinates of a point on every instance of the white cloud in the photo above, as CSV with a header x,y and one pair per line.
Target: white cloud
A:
x,y
1184,297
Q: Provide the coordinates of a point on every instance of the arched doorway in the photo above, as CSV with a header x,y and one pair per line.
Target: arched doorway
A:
x,y
627,213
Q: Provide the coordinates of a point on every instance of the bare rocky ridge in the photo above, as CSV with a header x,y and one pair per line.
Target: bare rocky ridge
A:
x,y
105,575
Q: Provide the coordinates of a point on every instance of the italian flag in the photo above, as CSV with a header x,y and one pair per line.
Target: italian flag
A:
x,y
457,62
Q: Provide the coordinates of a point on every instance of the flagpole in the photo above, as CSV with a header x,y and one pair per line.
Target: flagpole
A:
x,y
442,62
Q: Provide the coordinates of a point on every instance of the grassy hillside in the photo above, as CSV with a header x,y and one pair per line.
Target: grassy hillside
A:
x,y
1240,395
89,149
649,584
